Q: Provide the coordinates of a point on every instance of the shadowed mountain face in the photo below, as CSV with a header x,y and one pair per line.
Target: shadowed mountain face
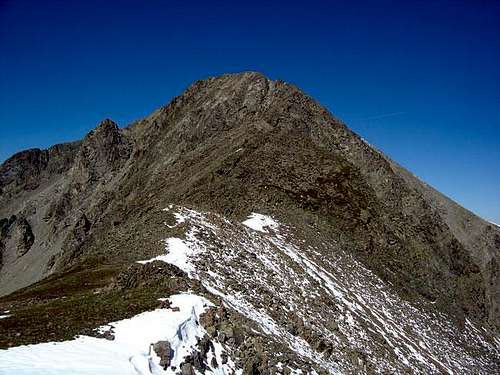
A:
x,y
233,145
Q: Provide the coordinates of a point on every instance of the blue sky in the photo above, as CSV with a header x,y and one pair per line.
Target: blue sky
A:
x,y
419,80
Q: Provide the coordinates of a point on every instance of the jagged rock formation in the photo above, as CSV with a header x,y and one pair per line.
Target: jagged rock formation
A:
x,y
103,151
233,145
16,233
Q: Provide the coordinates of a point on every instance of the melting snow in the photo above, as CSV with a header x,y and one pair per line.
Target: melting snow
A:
x,y
178,255
239,265
260,223
128,353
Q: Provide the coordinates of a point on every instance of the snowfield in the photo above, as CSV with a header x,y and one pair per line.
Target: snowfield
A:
x,y
128,353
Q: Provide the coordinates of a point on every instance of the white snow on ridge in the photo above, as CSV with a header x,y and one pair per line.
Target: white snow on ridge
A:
x,y
258,268
237,264
178,254
261,222
129,353
4,316
186,254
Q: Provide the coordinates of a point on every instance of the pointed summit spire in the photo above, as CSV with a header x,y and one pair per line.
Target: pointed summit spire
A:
x,y
107,123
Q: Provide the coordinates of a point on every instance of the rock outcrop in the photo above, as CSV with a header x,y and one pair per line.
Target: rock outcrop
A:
x,y
164,351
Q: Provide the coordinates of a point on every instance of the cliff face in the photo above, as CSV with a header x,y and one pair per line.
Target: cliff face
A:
x,y
233,145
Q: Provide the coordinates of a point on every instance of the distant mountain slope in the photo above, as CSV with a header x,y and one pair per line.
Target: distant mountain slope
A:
x,y
238,144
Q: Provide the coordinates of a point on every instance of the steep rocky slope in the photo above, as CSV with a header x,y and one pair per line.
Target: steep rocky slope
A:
x,y
401,258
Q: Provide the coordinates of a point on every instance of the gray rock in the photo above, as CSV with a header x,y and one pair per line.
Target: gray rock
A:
x,y
187,369
165,352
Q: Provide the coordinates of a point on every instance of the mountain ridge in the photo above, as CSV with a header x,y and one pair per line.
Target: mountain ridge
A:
x,y
233,145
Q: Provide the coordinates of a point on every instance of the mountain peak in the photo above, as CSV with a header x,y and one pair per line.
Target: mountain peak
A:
x,y
344,252
107,124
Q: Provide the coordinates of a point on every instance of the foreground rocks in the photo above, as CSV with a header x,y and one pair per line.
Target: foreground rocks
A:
x,y
164,351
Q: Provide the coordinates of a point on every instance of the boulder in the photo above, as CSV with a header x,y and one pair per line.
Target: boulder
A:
x,y
165,352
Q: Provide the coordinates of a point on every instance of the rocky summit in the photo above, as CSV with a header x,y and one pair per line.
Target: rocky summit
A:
x,y
243,229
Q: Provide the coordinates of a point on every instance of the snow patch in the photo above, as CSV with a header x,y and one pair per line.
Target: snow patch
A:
x,y
261,223
129,353
178,254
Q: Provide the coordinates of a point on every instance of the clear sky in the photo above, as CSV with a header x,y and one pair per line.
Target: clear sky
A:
x,y
419,80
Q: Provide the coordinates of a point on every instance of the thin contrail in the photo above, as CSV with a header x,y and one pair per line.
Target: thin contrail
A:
x,y
384,115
